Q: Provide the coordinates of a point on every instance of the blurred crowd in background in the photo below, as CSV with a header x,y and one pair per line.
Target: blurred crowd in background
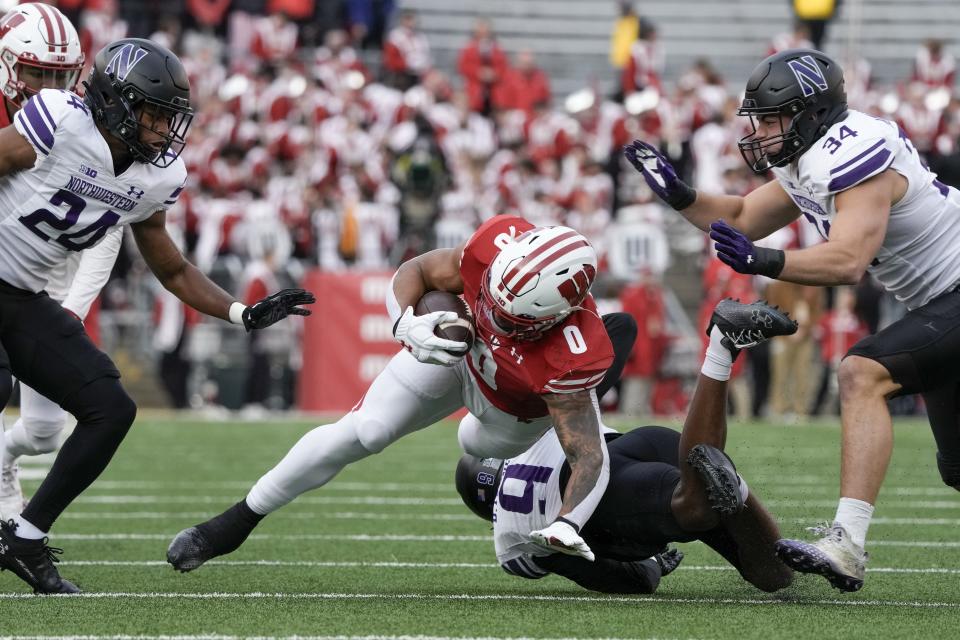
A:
x,y
326,137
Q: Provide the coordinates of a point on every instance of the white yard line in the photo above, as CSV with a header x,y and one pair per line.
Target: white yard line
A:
x,y
364,537
316,564
949,505
213,636
293,515
639,600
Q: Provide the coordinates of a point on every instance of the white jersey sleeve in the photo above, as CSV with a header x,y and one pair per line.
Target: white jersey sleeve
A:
x,y
92,274
43,120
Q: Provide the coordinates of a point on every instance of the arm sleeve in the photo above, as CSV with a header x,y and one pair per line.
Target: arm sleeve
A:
x,y
604,575
96,263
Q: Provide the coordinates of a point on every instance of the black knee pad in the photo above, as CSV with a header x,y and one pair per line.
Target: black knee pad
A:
x,y
949,471
103,402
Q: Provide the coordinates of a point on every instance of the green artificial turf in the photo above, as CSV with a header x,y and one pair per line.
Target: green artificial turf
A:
x,y
387,550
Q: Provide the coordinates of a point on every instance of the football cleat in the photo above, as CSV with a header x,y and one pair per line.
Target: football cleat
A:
x,y
747,325
719,474
32,561
11,495
217,536
949,471
834,556
189,549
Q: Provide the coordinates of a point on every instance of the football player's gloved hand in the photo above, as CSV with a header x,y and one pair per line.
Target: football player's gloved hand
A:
x,y
276,307
659,174
416,335
561,536
669,560
737,251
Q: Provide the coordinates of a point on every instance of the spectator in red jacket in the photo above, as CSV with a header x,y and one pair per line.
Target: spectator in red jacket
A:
x,y
933,66
482,65
406,53
524,86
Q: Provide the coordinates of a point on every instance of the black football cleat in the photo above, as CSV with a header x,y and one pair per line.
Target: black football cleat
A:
x,y
747,325
217,536
32,561
189,549
719,474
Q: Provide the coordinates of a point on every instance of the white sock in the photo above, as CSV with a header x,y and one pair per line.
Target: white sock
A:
x,y
718,360
27,531
854,515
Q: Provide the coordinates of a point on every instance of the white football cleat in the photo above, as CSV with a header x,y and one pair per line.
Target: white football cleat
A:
x,y
834,556
11,494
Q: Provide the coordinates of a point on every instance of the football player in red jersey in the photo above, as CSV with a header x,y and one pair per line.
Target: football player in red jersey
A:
x,y
540,351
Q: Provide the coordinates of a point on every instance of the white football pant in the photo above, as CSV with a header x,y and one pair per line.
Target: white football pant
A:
x,y
407,396
38,428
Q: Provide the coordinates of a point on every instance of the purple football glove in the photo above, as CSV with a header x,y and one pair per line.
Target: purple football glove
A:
x,y
737,251
659,174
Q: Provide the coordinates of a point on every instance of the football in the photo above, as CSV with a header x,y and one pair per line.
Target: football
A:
x,y
460,330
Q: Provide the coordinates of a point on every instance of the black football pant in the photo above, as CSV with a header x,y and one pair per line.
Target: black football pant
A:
x,y
47,348
622,329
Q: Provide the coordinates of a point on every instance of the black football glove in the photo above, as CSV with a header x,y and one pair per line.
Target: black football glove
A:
x,y
669,560
276,307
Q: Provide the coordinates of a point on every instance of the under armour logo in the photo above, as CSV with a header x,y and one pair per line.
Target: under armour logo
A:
x,y
133,191
519,357
749,258
3,549
761,318
930,326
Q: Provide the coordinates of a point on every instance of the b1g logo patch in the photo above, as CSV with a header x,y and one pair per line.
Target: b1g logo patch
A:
x,y
808,74
124,60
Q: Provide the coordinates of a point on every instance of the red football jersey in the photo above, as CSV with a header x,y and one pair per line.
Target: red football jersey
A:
x,y
571,356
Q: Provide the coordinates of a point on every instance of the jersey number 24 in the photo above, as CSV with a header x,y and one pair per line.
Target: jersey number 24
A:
x,y
77,240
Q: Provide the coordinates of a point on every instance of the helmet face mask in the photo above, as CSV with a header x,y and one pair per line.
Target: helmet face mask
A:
x,y
801,86
138,91
776,150
499,322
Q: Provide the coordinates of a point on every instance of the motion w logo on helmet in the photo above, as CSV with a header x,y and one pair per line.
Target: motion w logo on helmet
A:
x,y
575,288
124,60
808,74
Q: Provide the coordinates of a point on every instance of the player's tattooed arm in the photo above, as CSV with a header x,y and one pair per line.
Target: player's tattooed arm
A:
x,y
437,270
575,421
175,273
16,153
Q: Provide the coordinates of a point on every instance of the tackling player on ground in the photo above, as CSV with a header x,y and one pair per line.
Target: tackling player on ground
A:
x,y
74,284
71,170
860,181
539,352
664,487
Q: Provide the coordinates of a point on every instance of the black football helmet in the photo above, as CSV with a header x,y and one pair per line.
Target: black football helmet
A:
x,y
477,482
804,84
138,84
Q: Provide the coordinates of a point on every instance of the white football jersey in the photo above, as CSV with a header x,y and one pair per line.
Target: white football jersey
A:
x,y
529,499
70,198
919,258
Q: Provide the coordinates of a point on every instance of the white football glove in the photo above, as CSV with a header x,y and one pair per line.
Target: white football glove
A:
x,y
416,334
560,536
